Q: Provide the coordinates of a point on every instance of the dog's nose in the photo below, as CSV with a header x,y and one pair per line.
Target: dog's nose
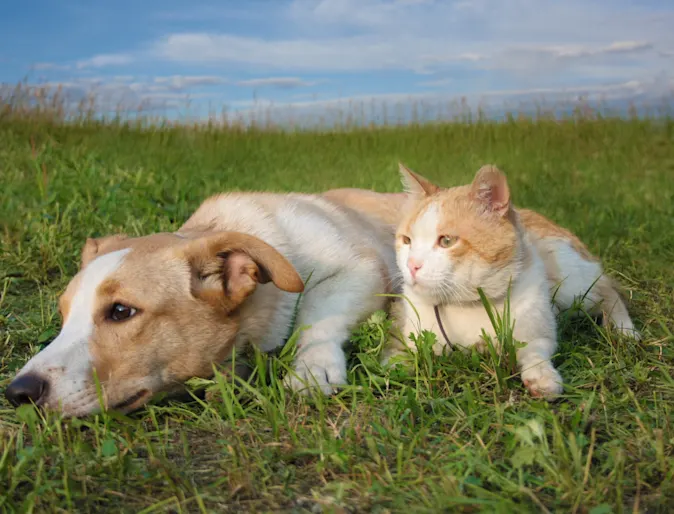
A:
x,y
25,389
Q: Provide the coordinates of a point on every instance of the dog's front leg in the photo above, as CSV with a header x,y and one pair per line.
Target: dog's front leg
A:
x,y
331,309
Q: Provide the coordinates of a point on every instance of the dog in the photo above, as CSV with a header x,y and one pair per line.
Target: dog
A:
x,y
145,314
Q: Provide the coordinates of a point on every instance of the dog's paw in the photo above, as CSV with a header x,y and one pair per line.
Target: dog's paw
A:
x,y
325,370
543,381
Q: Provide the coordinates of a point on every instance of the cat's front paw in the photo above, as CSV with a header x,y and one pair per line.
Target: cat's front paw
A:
x,y
630,332
325,370
543,381
394,352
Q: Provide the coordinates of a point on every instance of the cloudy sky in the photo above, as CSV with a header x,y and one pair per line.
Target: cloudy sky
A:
x,y
314,52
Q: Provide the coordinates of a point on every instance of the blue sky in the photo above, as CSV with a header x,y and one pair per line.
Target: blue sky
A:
x,y
315,54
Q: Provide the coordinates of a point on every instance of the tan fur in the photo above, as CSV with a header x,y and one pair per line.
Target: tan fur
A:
x,y
260,261
122,352
99,246
385,207
227,278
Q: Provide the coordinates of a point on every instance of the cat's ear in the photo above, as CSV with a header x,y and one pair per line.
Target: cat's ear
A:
x,y
490,188
414,183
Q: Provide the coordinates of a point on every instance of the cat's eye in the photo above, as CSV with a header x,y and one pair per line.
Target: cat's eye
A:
x,y
406,240
120,312
447,241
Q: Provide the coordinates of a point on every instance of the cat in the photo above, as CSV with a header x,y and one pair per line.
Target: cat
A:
x,y
453,241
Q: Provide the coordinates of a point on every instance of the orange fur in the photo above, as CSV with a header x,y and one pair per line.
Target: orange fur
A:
x,y
493,237
542,227
453,242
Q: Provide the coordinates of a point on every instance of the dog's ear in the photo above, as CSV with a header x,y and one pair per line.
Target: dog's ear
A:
x,y
226,268
93,247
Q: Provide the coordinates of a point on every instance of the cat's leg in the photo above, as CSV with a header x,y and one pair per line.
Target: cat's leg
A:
x,y
331,309
410,319
539,375
397,343
575,278
613,308
537,328
597,297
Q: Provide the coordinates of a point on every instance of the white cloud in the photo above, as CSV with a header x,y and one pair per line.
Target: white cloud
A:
x,y
465,45
367,53
279,82
437,83
50,66
182,82
582,51
127,92
102,60
626,47
299,54
425,37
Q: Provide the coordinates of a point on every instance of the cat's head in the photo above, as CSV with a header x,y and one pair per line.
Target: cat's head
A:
x,y
453,240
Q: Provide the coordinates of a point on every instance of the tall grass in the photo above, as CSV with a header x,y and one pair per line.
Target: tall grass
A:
x,y
52,103
456,432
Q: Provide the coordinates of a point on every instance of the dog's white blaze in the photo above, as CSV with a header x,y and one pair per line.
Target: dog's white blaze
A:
x,y
66,362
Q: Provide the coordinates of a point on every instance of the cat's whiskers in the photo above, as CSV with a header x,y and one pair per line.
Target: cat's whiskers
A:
x,y
510,254
458,292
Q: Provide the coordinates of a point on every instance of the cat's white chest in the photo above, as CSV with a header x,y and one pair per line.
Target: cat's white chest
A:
x,y
530,315
463,325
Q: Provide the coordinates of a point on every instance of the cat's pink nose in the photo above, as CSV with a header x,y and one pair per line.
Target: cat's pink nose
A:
x,y
414,266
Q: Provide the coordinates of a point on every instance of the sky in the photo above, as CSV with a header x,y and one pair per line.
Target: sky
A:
x,y
318,54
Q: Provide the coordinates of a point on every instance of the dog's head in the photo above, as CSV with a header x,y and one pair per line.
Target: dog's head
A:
x,y
144,315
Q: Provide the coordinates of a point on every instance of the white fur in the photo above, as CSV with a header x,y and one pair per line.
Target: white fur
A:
x,y
531,272
441,280
577,280
542,268
66,361
576,273
326,246
423,251
534,322
345,258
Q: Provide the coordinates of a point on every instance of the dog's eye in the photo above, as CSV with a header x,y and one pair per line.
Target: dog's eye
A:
x,y
406,240
120,312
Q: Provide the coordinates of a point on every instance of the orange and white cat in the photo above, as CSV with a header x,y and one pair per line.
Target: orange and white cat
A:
x,y
453,241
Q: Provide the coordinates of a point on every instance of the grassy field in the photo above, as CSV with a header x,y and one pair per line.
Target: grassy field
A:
x,y
457,435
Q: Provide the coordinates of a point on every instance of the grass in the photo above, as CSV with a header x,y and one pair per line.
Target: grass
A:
x,y
457,433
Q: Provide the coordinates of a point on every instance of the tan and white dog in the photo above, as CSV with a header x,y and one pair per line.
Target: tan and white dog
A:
x,y
148,313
